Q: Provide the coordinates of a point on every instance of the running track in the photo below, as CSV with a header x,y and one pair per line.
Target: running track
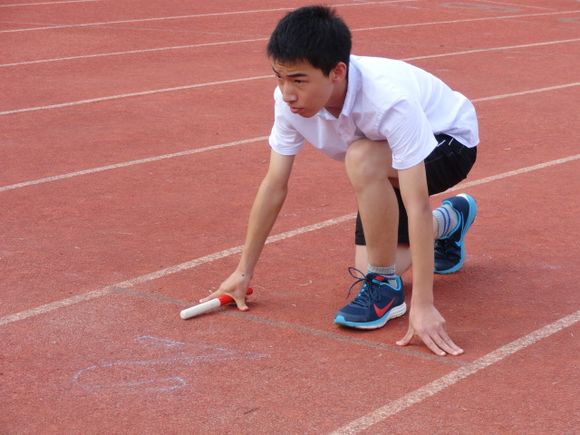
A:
x,y
133,138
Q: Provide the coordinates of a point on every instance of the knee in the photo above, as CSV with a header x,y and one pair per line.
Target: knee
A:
x,y
368,160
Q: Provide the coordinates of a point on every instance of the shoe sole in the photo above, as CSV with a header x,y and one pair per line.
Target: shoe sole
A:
x,y
393,313
469,222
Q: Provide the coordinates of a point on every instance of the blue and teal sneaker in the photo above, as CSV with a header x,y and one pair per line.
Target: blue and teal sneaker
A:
x,y
450,251
377,302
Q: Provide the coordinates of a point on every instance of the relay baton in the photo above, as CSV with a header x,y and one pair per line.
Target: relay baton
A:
x,y
208,306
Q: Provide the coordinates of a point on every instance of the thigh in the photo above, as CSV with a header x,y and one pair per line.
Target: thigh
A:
x,y
446,166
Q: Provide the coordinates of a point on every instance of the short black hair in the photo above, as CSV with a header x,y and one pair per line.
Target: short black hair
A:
x,y
312,33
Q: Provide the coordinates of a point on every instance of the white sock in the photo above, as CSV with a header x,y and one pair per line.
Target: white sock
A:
x,y
447,219
382,270
386,271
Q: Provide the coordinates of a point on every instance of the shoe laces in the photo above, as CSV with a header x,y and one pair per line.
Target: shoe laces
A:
x,y
445,248
364,297
442,246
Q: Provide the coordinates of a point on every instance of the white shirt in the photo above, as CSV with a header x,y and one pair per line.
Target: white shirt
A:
x,y
385,100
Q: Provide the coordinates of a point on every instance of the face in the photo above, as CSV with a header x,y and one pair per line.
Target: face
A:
x,y
307,90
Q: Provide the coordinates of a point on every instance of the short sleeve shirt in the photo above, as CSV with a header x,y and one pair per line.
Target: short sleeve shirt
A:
x,y
386,100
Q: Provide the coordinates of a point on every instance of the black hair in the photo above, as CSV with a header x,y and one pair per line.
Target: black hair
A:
x,y
312,33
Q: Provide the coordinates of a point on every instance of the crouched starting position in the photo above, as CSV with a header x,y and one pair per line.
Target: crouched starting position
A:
x,y
403,134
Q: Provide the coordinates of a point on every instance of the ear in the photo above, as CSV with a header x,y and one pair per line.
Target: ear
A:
x,y
339,72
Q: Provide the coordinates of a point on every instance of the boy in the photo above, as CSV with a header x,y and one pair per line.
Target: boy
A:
x,y
403,135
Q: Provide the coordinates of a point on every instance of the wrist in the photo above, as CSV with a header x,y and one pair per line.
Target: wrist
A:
x,y
244,273
422,299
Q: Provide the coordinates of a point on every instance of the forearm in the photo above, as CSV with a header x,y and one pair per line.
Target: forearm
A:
x,y
413,184
265,210
421,241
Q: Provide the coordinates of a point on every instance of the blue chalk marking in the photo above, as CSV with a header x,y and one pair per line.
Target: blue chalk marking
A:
x,y
141,375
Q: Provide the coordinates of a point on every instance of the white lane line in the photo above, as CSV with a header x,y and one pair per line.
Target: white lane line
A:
x,y
364,29
131,163
467,20
441,384
123,53
224,145
528,92
184,17
16,5
133,94
104,291
247,41
517,5
513,173
491,49
245,79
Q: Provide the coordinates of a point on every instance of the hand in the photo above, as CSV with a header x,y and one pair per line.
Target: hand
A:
x,y
236,285
429,325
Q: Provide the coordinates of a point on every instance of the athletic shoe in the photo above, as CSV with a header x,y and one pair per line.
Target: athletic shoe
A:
x,y
379,300
450,251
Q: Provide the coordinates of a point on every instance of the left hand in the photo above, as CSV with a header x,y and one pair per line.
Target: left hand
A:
x,y
429,325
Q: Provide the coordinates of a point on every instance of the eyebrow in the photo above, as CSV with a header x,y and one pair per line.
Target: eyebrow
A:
x,y
293,75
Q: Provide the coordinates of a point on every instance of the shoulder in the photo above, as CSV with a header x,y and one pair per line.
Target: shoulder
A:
x,y
382,82
383,70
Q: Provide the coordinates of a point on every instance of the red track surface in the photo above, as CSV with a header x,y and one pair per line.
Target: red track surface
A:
x,y
96,265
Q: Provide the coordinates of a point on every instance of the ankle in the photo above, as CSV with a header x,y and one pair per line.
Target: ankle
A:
x,y
387,271
446,220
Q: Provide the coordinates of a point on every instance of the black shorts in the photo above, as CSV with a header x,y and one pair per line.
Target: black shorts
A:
x,y
447,165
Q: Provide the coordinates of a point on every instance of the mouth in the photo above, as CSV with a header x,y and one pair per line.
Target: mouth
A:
x,y
296,110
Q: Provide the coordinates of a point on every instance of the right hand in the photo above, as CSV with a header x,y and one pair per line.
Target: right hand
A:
x,y
236,285
426,322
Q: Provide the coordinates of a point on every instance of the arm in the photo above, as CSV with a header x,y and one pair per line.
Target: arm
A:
x,y
268,203
424,319
413,185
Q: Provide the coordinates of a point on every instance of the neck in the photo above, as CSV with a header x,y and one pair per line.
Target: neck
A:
x,y
334,105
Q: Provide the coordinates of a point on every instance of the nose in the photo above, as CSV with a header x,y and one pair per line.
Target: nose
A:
x,y
288,94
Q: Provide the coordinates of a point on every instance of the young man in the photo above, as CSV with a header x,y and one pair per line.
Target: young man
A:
x,y
403,135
